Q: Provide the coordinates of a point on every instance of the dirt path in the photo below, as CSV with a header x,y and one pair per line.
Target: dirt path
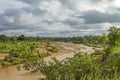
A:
x,y
11,73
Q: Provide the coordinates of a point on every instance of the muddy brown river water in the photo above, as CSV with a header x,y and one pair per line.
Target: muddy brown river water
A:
x,y
11,73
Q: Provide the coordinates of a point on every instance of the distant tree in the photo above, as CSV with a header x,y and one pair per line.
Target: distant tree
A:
x,y
30,38
21,37
14,38
37,38
103,39
4,38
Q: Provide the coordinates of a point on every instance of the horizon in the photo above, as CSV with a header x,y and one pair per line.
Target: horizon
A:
x,y
49,36
58,18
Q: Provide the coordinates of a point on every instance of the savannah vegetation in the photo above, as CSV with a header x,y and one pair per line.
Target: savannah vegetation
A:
x,y
104,65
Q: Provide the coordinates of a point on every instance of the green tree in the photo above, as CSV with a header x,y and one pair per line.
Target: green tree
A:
x,y
21,37
4,38
103,39
114,36
113,43
14,38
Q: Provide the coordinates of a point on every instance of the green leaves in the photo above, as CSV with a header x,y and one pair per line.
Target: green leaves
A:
x,y
114,36
17,52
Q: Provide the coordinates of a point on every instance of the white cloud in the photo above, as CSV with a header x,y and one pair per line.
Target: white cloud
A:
x,y
28,19
52,6
9,19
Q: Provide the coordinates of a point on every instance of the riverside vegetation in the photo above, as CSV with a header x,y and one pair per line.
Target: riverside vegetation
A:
x,y
103,65
17,52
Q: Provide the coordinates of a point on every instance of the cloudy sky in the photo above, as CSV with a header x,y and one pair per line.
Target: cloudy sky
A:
x,y
58,17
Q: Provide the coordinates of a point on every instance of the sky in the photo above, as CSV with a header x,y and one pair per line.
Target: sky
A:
x,y
58,18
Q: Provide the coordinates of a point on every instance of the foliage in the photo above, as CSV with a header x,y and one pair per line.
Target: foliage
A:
x,y
16,51
102,66
22,50
114,36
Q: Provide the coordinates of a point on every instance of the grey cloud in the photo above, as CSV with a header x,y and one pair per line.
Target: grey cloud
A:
x,y
99,17
69,3
36,11
10,13
34,3
4,28
49,22
71,22
66,4
15,14
30,1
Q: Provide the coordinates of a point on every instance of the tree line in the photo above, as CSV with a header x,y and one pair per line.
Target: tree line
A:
x,y
101,39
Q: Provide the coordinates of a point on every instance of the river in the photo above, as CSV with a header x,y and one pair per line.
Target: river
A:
x,y
11,73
